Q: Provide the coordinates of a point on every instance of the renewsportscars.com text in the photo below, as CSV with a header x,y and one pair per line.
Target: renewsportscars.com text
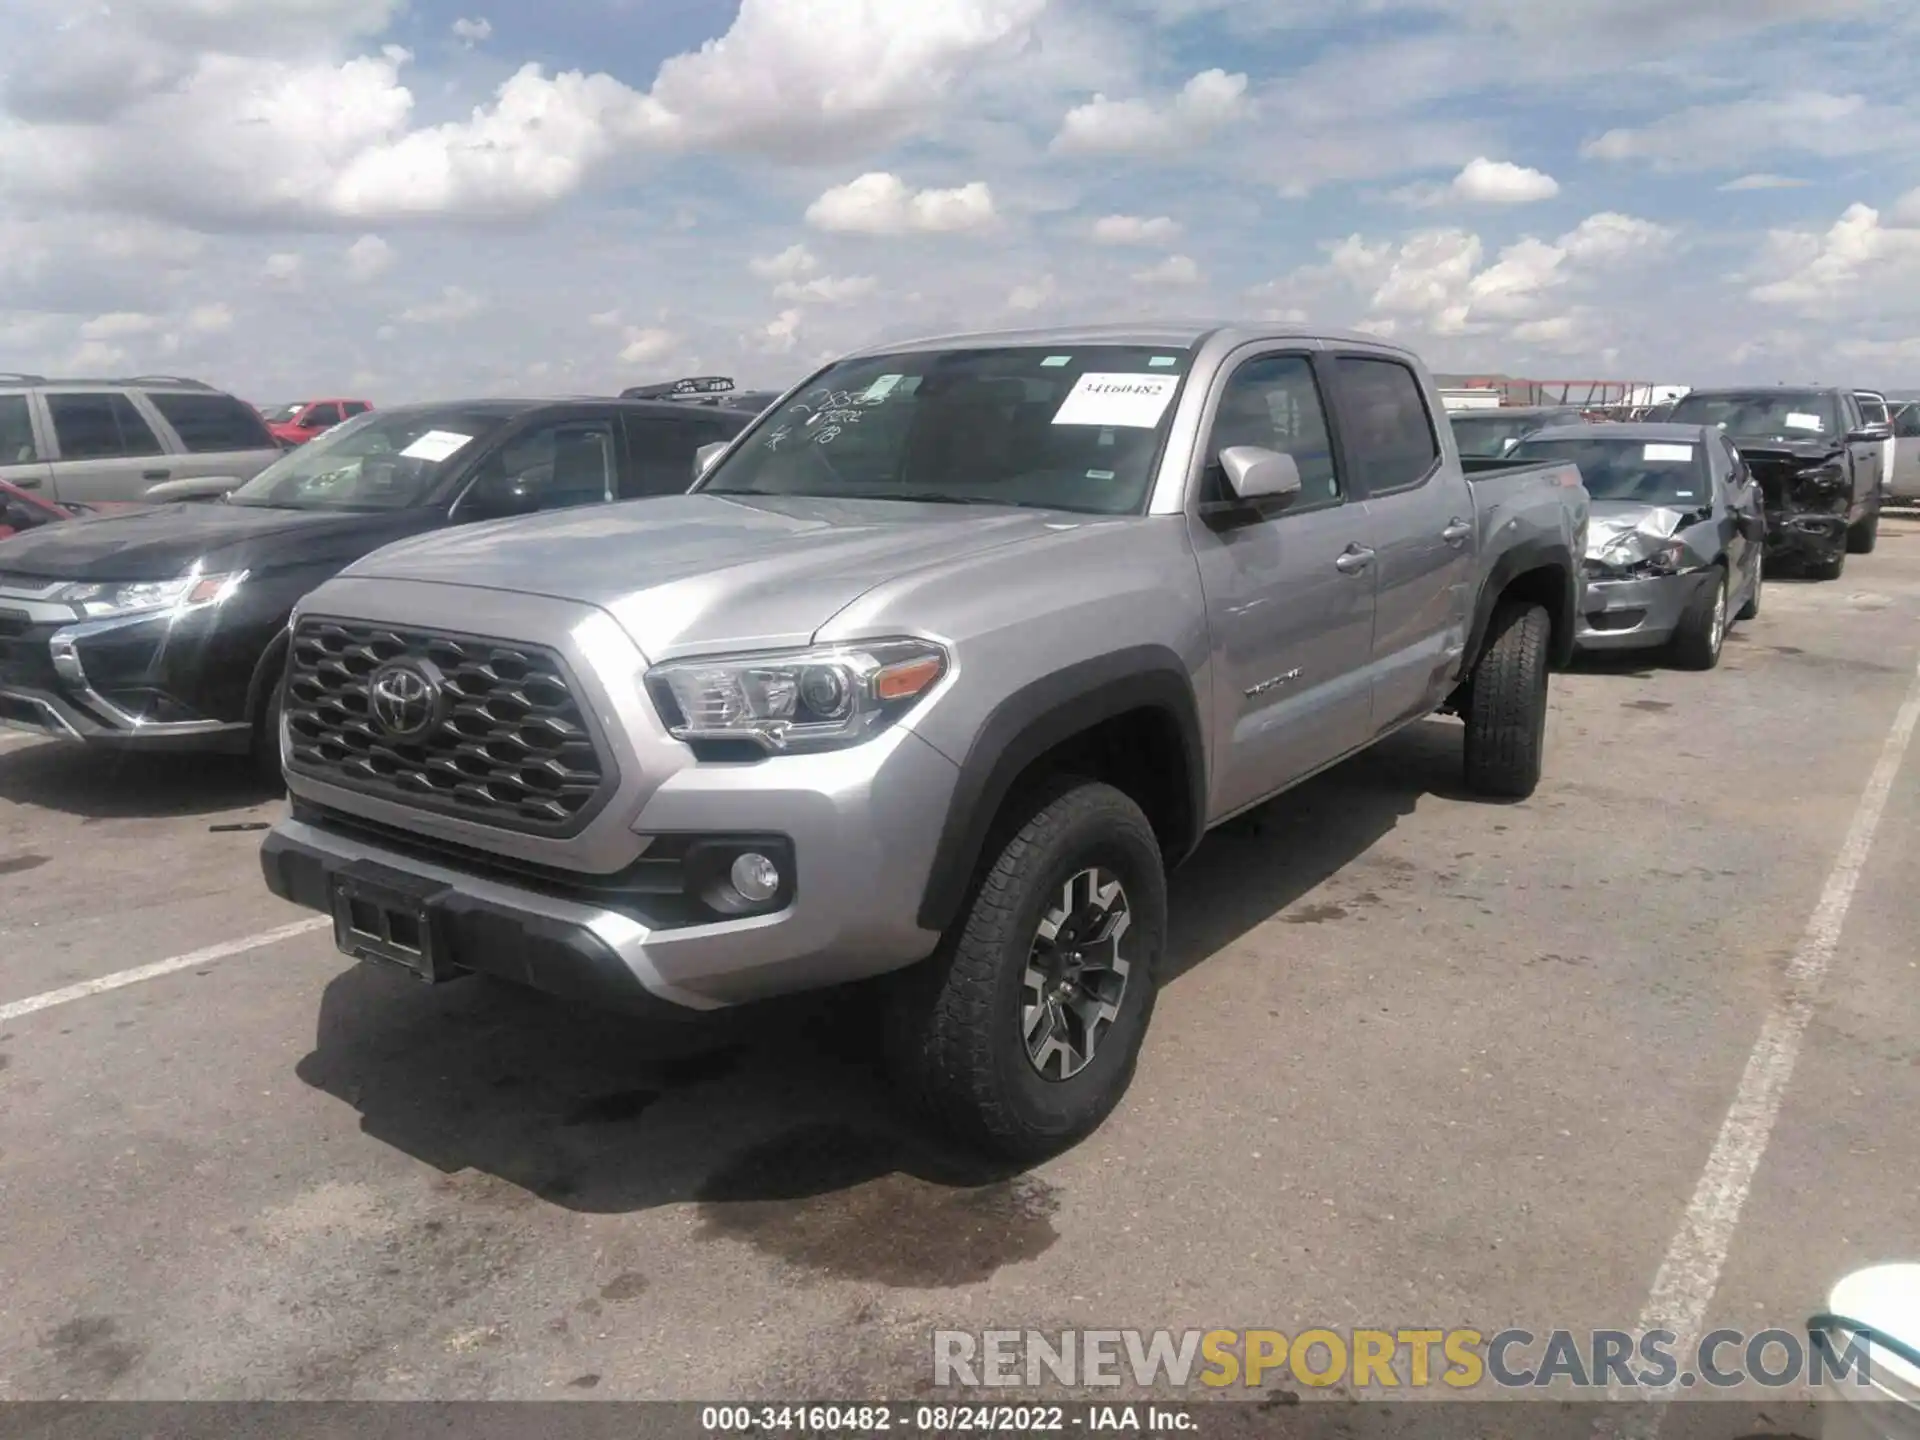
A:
x,y
1388,1360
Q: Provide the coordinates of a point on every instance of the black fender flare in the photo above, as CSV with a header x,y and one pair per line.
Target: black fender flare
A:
x,y
1033,720
1527,556
267,672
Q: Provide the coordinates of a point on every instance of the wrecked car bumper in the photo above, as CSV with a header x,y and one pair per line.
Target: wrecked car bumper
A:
x,y
1805,537
1634,614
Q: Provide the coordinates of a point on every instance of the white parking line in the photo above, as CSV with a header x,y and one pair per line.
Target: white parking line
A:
x,y
120,979
1690,1274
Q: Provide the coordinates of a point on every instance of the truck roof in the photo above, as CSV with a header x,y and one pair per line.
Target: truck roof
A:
x,y
1169,334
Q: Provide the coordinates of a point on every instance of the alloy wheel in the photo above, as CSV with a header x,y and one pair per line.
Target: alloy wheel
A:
x,y
1076,974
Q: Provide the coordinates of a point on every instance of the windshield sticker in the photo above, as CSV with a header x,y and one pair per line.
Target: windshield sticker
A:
x,y
1160,361
1053,360
435,446
1100,474
1667,452
1797,421
1134,401
880,389
1683,494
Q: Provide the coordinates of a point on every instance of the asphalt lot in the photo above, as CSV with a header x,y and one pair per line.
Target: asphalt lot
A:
x,y
1425,1062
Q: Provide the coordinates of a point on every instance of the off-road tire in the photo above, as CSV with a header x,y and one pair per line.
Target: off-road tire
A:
x,y
1506,709
953,1023
1864,534
1752,608
1696,640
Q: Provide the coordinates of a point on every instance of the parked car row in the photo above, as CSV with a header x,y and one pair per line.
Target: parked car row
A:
x,y
923,674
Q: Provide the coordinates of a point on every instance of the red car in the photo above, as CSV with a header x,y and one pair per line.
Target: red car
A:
x,y
22,510
299,422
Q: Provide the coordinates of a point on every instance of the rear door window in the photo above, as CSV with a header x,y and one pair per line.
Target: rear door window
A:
x,y
209,423
354,407
16,432
100,426
327,414
663,448
1384,421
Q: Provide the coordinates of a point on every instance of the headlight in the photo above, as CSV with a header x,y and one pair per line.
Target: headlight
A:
x,y
798,699
1618,562
1667,560
185,592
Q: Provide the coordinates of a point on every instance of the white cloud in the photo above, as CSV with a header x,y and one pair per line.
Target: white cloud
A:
x,y
368,258
1761,180
1500,182
1174,270
473,32
210,319
1136,230
118,325
779,335
282,266
1141,127
453,306
645,345
1860,265
1906,210
1762,127
827,289
605,320
1031,296
790,264
879,203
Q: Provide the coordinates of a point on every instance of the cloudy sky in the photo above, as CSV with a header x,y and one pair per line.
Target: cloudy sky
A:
x,y
405,198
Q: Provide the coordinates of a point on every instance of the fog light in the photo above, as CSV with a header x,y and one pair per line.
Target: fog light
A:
x,y
755,877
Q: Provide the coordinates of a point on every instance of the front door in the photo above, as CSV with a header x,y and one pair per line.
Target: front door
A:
x,y
1290,592
22,459
1420,515
1904,483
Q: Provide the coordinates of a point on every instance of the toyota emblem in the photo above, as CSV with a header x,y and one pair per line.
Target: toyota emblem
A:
x,y
406,698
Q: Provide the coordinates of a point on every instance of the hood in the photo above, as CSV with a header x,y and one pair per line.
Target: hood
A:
x,y
1809,451
686,573
1622,533
1804,476
166,540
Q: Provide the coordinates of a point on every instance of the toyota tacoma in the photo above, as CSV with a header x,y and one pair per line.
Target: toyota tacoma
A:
x,y
946,659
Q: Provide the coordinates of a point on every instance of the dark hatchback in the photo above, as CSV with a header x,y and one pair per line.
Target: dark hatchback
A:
x,y
167,629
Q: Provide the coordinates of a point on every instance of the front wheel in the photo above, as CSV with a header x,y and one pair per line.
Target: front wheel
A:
x,y
266,738
1506,709
1020,1035
1703,626
1863,535
1829,568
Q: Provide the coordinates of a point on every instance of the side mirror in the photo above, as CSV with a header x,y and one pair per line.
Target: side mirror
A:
x,y
1258,474
1871,433
704,457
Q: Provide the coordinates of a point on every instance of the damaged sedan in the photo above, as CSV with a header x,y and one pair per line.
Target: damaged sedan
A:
x,y
1675,539
1817,461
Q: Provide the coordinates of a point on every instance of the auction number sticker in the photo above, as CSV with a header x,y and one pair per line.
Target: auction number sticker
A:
x,y
1133,401
1667,452
435,445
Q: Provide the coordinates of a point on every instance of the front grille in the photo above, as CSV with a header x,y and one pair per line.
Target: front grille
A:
x,y
513,746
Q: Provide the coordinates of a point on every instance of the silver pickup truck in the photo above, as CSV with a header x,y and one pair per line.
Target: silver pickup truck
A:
x,y
935,672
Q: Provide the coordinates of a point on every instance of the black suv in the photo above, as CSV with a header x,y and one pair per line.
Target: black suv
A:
x,y
166,628
1818,463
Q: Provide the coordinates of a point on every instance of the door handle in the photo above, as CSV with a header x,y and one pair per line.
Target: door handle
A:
x,y
1353,560
1458,532
30,482
155,474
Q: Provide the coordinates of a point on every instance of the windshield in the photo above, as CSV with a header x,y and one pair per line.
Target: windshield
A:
x,y
1485,435
282,412
1651,472
1065,428
1769,415
383,460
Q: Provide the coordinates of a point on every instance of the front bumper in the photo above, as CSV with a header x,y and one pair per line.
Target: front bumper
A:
x,y
116,683
1634,614
1816,537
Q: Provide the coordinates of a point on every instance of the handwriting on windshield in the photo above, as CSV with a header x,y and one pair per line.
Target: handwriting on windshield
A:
x,y
825,415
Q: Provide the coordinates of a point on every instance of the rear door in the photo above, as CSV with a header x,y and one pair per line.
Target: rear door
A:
x,y
22,451
1873,410
1290,592
1420,518
223,436
104,449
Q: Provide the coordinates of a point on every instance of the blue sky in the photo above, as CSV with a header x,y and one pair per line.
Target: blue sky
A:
x,y
407,198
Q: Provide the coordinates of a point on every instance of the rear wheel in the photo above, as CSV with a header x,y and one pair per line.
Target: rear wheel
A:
x,y
1828,569
1703,626
1020,1035
1506,709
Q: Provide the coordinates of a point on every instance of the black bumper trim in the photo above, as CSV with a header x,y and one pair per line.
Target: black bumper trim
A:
x,y
553,956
